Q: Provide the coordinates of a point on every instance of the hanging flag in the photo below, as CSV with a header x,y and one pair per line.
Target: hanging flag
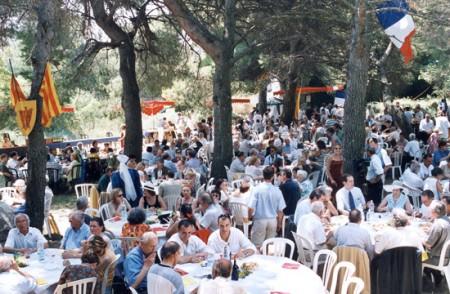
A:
x,y
339,98
26,115
16,92
50,100
398,25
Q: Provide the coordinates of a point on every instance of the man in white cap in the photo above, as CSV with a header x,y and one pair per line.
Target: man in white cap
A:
x,y
127,179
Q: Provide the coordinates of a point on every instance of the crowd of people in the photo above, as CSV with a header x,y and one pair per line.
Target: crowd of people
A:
x,y
283,178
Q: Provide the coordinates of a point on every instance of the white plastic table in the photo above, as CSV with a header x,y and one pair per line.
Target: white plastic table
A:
x,y
269,276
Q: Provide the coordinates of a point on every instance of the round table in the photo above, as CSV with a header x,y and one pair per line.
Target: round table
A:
x,y
270,276
48,271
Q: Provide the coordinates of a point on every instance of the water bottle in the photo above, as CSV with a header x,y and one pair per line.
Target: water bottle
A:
x,y
371,210
123,212
40,251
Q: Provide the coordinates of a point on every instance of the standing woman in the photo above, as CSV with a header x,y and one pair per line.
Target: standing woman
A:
x,y
186,198
334,169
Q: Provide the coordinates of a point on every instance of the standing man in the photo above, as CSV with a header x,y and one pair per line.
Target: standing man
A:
x,y
128,180
291,192
374,177
267,209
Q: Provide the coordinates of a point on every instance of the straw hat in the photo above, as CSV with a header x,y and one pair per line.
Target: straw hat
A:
x,y
150,187
394,185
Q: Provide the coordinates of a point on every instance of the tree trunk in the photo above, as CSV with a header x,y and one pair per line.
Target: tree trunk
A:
x,y
223,145
131,103
355,105
262,99
37,151
289,98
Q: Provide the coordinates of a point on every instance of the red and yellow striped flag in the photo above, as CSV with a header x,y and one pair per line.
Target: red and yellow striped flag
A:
x,y
16,92
50,101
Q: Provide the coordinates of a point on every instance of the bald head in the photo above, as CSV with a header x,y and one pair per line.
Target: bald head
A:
x,y
222,268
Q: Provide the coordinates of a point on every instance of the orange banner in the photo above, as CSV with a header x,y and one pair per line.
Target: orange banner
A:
x,y
50,101
16,92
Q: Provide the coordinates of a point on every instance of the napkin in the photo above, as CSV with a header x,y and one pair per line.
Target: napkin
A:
x,y
41,281
278,292
290,265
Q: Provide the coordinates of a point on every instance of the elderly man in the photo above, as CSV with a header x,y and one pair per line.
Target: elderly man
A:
x,y
304,206
266,206
193,249
352,235
237,166
349,197
238,244
402,235
306,186
439,234
13,280
210,212
76,233
411,176
139,260
412,150
82,204
221,272
170,253
23,238
310,226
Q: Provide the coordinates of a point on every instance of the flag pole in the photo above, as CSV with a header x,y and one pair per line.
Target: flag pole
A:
x,y
10,65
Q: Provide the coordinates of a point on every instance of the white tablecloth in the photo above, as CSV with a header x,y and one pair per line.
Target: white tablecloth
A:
x,y
49,269
268,276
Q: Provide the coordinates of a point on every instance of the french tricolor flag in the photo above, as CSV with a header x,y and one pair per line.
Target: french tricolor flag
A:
x,y
398,25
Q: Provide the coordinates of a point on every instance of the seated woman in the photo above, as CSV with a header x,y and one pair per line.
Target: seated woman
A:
x,y
396,199
140,167
74,157
186,198
150,200
87,269
105,254
253,168
330,209
187,213
115,205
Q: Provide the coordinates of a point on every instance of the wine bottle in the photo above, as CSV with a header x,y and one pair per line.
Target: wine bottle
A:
x,y
235,271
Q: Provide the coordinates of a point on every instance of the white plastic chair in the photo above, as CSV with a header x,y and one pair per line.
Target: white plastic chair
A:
x,y
237,211
92,212
171,201
83,190
397,163
200,190
80,286
104,212
442,266
278,246
110,268
229,177
415,195
358,287
157,284
7,193
128,243
236,184
304,250
314,178
348,271
132,290
210,182
328,263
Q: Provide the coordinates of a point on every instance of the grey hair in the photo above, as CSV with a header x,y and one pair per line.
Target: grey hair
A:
x,y
412,136
400,217
148,236
317,207
79,215
5,263
21,215
302,173
82,203
438,207
206,197
414,166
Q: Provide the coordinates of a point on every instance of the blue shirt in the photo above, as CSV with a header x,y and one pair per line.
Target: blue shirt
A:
x,y
438,155
375,168
267,201
134,262
72,238
170,166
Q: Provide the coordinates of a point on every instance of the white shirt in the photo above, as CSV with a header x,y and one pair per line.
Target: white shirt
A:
x,y
430,184
254,171
236,241
311,228
194,245
397,237
426,210
411,179
342,200
17,240
413,149
303,207
424,171
426,126
209,219
12,282
443,125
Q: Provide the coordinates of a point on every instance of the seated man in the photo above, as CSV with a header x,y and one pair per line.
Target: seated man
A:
x,y
425,209
304,206
23,239
170,253
352,235
238,244
310,226
349,197
210,212
193,249
76,233
13,280
403,235
139,260
83,204
221,273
